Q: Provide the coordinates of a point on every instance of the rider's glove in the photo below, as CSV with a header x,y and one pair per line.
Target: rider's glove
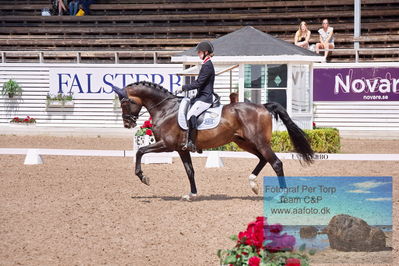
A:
x,y
178,91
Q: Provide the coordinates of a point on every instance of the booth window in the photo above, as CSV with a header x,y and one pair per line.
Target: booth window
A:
x,y
266,83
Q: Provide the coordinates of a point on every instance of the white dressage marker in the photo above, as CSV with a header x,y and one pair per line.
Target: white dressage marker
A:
x,y
213,160
33,157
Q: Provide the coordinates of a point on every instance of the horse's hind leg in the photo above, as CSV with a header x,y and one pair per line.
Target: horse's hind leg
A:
x,y
250,147
274,161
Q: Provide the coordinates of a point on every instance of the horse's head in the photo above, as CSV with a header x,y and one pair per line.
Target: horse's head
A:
x,y
130,108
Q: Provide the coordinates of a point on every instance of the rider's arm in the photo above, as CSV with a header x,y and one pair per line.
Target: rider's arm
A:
x,y
204,74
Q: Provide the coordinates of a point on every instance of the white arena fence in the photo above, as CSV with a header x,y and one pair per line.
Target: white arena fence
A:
x,y
205,154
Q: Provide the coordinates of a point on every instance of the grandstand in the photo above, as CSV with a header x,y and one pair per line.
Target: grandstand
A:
x,y
152,31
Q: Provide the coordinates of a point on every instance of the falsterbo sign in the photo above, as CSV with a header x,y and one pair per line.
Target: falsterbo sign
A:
x,y
97,82
356,84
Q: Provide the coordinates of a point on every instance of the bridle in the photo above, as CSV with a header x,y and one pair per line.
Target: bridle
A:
x,y
133,118
130,117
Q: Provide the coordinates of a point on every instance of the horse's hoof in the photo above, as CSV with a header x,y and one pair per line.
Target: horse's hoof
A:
x,y
254,186
145,180
188,197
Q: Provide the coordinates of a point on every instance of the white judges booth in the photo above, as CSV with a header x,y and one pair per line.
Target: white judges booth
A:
x,y
261,68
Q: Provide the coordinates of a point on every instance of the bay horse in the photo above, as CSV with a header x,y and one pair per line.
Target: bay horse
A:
x,y
247,124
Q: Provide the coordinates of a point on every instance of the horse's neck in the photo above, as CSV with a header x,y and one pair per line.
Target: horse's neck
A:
x,y
168,106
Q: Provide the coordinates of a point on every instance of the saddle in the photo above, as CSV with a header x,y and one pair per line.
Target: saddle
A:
x,y
207,120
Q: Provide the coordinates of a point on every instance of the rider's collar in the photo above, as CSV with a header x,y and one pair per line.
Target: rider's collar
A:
x,y
206,60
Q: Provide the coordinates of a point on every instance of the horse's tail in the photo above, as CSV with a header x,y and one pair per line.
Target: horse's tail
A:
x,y
298,136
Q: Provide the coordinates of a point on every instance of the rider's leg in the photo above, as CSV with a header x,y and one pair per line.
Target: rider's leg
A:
x,y
192,134
195,110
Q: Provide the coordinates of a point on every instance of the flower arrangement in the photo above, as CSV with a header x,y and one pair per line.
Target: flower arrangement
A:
x,y
145,129
62,98
262,244
27,120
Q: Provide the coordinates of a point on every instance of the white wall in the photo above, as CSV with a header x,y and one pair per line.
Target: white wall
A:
x,y
89,110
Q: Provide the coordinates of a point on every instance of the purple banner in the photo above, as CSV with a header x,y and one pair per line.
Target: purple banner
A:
x,y
356,84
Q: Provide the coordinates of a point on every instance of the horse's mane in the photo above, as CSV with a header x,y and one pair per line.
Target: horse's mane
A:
x,y
151,85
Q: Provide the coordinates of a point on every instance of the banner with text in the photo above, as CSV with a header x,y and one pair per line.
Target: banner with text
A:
x,y
356,84
96,83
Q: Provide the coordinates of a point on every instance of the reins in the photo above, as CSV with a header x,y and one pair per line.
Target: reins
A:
x,y
135,117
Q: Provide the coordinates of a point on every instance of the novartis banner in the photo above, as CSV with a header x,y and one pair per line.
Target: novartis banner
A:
x,y
356,84
96,82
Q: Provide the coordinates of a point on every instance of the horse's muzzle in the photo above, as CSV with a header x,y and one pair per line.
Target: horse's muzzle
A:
x,y
129,124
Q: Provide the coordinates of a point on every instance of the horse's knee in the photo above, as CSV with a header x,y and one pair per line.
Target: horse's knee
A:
x,y
140,151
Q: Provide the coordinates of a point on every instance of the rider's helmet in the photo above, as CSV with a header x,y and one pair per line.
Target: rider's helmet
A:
x,y
205,46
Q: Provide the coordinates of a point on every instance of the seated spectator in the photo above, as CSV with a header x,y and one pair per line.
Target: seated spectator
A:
x,y
302,36
73,7
233,97
86,5
326,38
61,7
80,12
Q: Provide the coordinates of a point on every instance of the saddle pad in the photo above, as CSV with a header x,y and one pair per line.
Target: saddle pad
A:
x,y
210,118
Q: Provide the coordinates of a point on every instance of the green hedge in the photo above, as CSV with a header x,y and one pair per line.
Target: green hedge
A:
x,y
324,140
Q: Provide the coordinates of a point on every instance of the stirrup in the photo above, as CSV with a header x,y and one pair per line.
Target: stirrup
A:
x,y
189,146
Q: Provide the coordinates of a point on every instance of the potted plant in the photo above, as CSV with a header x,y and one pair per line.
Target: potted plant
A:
x,y
60,100
116,102
12,88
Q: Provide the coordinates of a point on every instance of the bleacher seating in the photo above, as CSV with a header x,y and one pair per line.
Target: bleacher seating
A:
x,y
166,26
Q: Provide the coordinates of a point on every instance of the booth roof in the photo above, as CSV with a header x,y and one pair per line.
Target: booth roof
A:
x,y
249,41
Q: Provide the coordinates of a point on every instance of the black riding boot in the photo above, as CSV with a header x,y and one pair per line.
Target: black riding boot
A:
x,y
192,134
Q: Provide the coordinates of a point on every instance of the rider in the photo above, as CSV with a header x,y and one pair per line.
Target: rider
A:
x,y
204,86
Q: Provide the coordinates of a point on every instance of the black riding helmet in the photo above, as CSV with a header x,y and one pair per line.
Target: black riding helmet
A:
x,y
205,46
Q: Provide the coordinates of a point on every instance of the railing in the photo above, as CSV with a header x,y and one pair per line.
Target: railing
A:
x,y
77,55
155,55
359,50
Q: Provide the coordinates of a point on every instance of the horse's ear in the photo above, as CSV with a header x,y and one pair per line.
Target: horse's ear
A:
x,y
121,92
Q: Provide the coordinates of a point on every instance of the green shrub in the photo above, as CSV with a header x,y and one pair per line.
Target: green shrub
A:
x,y
322,140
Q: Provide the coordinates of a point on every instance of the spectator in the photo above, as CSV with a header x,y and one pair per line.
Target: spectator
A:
x,y
302,36
81,12
326,38
61,7
233,97
73,7
86,5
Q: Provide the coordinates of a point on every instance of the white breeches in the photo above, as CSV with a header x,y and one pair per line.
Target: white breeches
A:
x,y
197,109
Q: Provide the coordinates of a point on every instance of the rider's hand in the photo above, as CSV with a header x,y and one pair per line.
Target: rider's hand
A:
x,y
178,91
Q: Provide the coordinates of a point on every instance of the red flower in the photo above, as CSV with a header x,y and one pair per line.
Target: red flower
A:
x,y
147,124
293,262
148,132
254,235
254,261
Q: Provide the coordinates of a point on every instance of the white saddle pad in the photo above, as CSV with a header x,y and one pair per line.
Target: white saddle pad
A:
x,y
211,117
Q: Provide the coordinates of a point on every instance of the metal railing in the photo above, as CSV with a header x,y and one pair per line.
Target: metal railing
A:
x,y
76,56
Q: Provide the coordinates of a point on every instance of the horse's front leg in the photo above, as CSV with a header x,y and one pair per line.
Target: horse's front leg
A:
x,y
156,147
188,165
